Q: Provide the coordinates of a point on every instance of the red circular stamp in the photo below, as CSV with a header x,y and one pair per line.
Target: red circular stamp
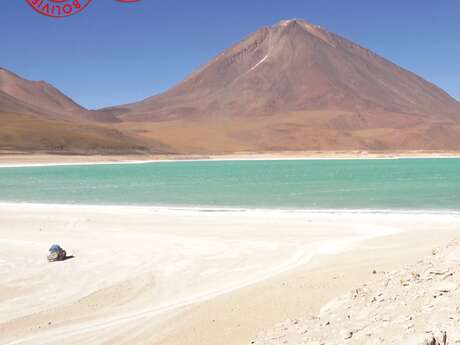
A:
x,y
58,8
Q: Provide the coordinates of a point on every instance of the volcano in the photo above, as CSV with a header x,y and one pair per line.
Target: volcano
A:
x,y
296,86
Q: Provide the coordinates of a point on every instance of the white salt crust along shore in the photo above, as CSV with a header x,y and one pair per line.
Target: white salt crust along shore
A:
x,y
135,267
30,161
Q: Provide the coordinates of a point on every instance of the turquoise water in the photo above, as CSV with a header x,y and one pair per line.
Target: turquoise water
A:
x,y
409,184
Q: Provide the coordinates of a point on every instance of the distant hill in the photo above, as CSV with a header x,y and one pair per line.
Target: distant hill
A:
x,y
36,117
43,99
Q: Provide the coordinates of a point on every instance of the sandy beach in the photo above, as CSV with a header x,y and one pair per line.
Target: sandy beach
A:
x,y
164,276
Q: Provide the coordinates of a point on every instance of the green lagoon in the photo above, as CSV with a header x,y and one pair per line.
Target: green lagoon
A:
x,y
399,184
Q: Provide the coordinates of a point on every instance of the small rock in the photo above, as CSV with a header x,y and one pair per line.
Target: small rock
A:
x,y
346,334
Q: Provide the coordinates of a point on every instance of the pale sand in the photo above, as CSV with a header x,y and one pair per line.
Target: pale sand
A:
x,y
416,305
158,276
28,159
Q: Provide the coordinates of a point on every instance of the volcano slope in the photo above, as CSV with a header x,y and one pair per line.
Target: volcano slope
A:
x,y
296,86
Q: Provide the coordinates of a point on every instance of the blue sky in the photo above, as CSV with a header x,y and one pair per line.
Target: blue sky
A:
x,y
115,53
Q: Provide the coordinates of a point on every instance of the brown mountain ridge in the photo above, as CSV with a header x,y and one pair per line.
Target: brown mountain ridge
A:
x,y
292,86
37,117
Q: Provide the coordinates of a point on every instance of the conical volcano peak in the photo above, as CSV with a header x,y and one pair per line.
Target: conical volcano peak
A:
x,y
302,86
293,26
294,21
286,23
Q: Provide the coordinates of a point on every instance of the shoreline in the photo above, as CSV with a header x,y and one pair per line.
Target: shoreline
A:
x,y
201,210
40,160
